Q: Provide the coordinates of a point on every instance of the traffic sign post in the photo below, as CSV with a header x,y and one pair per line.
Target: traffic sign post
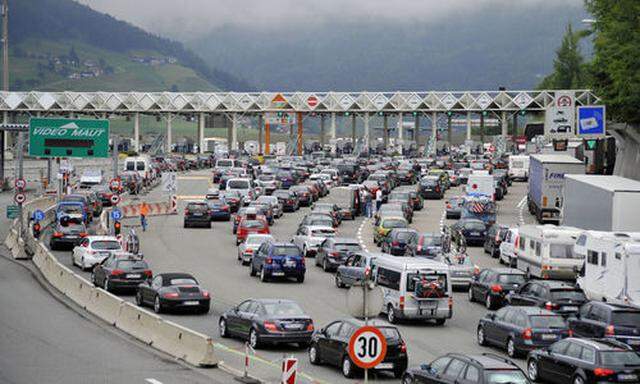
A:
x,y
591,121
68,137
367,348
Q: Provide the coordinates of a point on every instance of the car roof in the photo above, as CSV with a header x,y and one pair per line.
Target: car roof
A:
x,y
553,284
315,227
283,244
176,275
345,240
616,307
507,271
602,344
270,301
98,238
487,360
534,311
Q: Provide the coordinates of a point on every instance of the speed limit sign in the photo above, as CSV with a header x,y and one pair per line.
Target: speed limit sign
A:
x,y
367,347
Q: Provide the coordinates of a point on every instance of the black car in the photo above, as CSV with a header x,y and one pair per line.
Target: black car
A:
x,y
492,285
173,291
430,188
329,208
396,242
453,207
581,361
219,210
333,252
303,193
495,235
457,368
67,233
520,329
197,214
427,244
322,219
473,231
330,346
599,319
289,199
559,296
267,321
232,198
120,272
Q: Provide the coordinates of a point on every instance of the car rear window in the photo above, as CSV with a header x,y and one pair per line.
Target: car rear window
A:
x,y
238,184
323,232
105,245
546,321
626,318
568,294
132,264
252,224
474,226
255,240
182,281
608,358
283,309
562,251
404,235
505,377
511,279
224,163
390,333
286,251
198,207
394,224
351,247
431,241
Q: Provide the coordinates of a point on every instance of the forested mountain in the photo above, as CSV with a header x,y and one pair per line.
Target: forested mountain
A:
x,y
60,44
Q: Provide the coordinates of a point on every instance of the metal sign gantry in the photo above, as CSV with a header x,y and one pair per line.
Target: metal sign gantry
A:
x,y
305,102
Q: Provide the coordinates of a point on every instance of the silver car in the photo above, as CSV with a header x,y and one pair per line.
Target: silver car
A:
x,y
276,205
247,248
461,269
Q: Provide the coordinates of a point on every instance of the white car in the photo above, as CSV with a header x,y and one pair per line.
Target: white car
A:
x,y
508,248
276,205
90,177
326,178
247,248
309,237
93,250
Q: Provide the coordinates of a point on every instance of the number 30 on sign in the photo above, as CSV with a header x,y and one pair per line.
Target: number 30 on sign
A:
x,y
367,347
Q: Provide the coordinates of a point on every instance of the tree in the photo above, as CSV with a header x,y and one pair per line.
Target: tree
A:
x,y
568,66
73,57
616,65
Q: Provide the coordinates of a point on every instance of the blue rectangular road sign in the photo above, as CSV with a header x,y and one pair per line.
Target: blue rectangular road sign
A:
x,y
591,120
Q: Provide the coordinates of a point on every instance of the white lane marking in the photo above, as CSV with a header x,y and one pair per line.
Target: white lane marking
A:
x,y
360,240
521,210
522,202
153,381
442,219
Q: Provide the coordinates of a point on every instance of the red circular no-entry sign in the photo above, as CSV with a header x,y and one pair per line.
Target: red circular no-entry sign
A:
x,y
312,101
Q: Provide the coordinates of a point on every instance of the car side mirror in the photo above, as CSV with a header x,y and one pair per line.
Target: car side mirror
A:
x,y
425,367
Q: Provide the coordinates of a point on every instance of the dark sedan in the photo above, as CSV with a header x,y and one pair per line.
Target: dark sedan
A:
x,y
491,286
304,194
613,321
395,243
473,231
267,321
219,210
288,199
120,272
495,235
173,291
558,296
430,188
67,234
520,329
425,245
333,252
197,214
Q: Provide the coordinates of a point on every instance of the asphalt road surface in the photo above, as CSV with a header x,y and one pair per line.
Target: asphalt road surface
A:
x,y
210,255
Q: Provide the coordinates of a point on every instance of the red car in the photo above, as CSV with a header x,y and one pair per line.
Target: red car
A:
x,y
251,224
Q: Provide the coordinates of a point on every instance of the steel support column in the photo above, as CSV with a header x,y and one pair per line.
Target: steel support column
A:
x,y
449,131
434,130
267,137
367,132
515,124
201,121
169,139
234,131
385,131
322,133
400,127
482,128
332,127
416,131
468,125
136,132
260,129
353,129
505,125
300,132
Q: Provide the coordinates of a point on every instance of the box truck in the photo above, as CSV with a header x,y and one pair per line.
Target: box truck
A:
x,y
611,267
601,203
546,183
519,167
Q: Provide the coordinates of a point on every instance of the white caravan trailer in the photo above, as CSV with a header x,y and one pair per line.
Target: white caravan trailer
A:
x,y
612,266
546,251
402,280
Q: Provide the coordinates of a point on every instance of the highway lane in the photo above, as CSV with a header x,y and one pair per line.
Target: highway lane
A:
x,y
211,256
43,341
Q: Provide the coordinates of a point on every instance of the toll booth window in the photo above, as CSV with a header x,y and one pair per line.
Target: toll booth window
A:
x,y
140,165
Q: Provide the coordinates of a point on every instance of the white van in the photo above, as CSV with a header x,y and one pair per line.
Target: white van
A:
x,y
519,167
141,165
612,266
546,251
399,278
509,248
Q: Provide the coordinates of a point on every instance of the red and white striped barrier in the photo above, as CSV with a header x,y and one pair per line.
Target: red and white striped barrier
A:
x,y
155,208
289,369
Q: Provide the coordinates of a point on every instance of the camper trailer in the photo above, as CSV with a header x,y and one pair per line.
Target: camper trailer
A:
x,y
547,251
612,266
414,288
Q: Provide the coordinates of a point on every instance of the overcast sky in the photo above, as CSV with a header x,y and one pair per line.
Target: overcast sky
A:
x,y
187,19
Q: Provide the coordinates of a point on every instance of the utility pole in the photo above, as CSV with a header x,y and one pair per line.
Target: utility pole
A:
x,y
5,78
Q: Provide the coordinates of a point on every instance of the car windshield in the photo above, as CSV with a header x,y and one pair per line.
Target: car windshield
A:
x,y
619,358
562,251
106,245
238,184
440,280
252,224
286,251
567,294
265,177
349,247
323,232
393,223
70,209
546,321
132,264
505,377
183,281
283,309
626,318
511,279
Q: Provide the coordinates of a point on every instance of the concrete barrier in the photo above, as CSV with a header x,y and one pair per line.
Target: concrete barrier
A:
x,y
77,289
104,305
193,347
18,251
12,239
138,322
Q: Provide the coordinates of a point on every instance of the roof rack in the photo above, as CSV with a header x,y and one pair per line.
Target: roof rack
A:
x,y
498,357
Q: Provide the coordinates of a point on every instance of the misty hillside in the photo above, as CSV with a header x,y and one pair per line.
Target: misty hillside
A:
x,y
512,46
63,45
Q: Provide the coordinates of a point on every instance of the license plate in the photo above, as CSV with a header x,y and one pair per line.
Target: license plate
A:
x,y
133,276
549,337
277,274
72,237
293,326
191,302
475,233
569,308
197,214
428,304
384,366
627,377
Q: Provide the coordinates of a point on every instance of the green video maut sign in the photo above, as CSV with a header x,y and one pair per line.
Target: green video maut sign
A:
x,y
68,137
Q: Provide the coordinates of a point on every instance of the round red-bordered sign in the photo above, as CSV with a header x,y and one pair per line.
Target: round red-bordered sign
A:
x,y
20,198
114,184
115,199
367,347
20,184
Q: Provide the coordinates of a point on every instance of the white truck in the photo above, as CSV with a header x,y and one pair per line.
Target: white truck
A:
x,y
141,165
612,266
480,183
519,167
546,184
601,203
